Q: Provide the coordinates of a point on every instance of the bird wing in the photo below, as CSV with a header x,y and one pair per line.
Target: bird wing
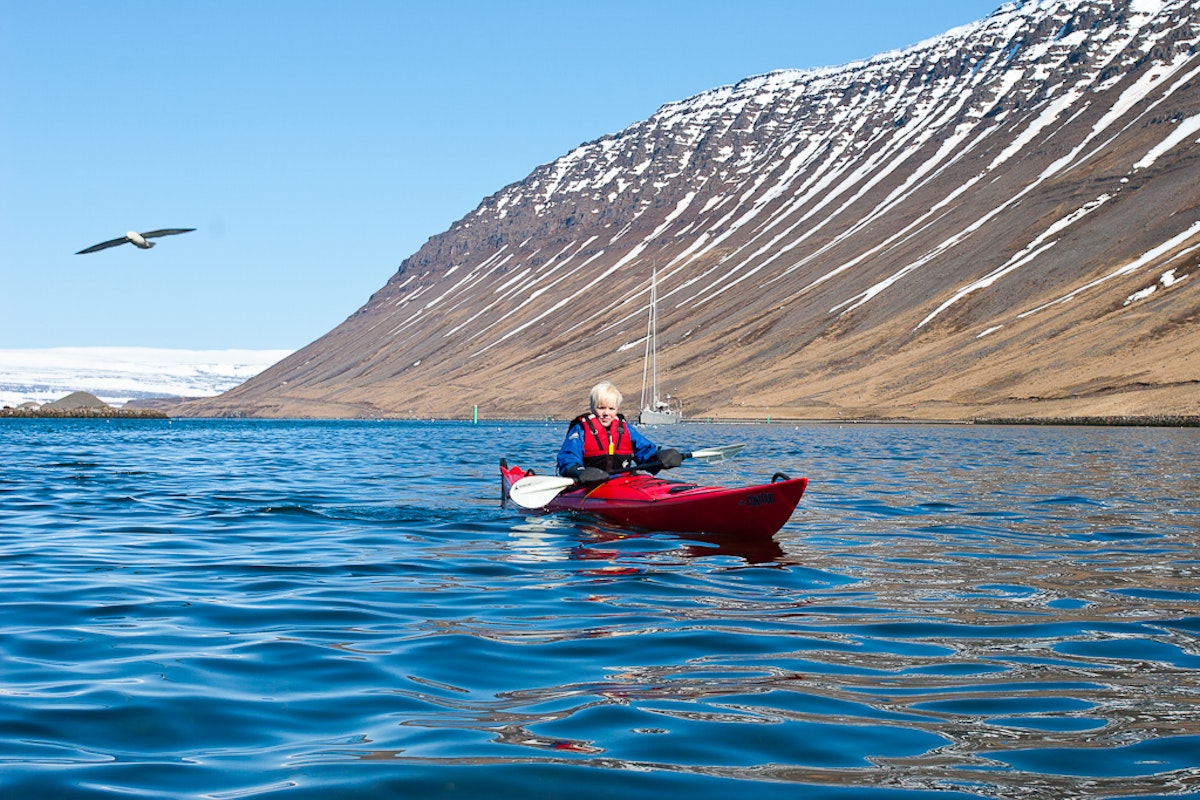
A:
x,y
102,245
166,232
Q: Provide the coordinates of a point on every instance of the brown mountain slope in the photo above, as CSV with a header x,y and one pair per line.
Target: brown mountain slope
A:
x,y
1004,221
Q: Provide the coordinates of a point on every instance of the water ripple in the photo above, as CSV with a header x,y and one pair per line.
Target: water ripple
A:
x,y
292,609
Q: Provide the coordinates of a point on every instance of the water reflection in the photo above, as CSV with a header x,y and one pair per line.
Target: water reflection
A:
x,y
551,538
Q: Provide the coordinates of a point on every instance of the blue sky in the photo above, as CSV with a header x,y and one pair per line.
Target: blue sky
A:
x,y
316,145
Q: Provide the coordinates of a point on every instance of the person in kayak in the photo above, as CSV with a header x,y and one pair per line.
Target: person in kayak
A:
x,y
602,442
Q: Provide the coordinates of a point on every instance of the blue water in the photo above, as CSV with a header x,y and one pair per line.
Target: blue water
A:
x,y
250,609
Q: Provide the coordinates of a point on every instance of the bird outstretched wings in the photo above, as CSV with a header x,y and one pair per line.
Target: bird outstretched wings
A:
x,y
137,239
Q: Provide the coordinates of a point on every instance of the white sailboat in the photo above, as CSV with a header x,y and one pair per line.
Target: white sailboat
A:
x,y
658,410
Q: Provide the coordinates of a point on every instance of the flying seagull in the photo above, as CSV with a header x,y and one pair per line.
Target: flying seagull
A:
x,y
136,239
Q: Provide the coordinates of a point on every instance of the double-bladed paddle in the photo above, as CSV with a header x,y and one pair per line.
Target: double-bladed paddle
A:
x,y
536,491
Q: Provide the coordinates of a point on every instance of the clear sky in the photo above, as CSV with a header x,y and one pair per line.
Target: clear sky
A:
x,y
316,145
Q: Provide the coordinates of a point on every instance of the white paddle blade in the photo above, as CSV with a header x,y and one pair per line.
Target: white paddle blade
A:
x,y
715,455
535,491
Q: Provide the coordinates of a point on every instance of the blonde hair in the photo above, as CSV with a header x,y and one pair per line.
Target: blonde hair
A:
x,y
605,391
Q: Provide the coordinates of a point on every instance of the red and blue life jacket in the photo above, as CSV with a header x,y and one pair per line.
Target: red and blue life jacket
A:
x,y
609,449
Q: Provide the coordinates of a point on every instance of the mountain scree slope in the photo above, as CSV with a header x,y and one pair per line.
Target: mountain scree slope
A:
x,y
1001,221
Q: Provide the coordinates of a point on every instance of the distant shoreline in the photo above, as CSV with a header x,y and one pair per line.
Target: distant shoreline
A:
x,y
1155,421
1149,421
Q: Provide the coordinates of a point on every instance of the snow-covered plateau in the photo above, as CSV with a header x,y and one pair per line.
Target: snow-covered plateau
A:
x,y
119,374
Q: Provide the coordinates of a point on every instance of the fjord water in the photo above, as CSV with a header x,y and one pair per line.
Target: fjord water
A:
x,y
233,609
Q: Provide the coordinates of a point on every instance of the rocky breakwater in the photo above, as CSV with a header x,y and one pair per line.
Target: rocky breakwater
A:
x,y
79,404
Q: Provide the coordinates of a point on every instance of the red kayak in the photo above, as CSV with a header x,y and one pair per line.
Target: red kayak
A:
x,y
644,501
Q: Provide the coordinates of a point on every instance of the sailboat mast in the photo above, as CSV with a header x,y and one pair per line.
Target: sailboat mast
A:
x,y
654,337
650,360
658,411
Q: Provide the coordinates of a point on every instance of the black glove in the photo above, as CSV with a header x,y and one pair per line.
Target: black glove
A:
x,y
586,474
670,458
592,475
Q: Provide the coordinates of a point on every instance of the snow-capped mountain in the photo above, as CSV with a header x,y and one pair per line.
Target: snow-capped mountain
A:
x,y
119,374
1001,220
